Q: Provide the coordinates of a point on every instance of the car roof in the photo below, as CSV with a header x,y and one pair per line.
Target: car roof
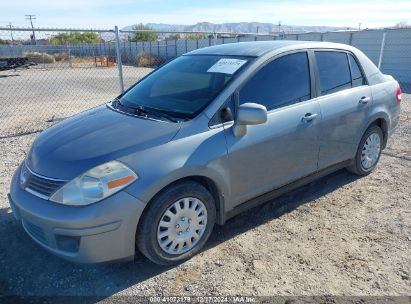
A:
x,y
259,48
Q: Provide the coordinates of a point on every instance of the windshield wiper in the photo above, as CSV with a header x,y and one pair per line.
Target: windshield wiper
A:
x,y
157,113
144,111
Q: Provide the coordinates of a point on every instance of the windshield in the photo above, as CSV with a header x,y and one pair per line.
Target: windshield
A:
x,y
186,85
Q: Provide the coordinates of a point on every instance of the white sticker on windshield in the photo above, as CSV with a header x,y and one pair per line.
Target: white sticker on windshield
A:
x,y
227,66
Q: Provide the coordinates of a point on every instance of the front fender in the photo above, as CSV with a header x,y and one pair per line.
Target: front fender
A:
x,y
200,155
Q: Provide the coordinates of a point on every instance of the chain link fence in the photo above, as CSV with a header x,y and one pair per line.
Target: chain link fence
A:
x,y
47,75
43,82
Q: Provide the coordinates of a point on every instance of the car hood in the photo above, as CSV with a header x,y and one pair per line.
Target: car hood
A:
x,y
91,138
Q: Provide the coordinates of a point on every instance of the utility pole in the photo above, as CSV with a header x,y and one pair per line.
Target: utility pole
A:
x,y
11,31
359,26
31,18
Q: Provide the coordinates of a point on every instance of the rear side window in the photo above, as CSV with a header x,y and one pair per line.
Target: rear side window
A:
x,y
356,75
282,82
334,71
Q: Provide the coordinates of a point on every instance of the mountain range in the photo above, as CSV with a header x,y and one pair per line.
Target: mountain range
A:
x,y
239,27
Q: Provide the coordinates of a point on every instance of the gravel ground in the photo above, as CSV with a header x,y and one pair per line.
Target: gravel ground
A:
x,y
31,98
340,235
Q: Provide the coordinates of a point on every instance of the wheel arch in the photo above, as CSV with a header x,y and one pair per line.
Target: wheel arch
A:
x,y
382,121
207,182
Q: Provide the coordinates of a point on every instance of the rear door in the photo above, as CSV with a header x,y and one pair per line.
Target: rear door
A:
x,y
286,146
345,99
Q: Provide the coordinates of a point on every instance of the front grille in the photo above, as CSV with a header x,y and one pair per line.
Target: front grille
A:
x,y
41,185
35,232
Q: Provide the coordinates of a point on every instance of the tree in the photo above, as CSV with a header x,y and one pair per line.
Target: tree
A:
x,y
2,41
143,36
173,37
75,38
401,24
195,36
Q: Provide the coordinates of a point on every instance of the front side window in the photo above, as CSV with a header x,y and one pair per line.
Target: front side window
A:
x,y
334,71
186,85
282,82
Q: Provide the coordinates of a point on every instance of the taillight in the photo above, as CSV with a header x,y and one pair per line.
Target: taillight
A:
x,y
398,95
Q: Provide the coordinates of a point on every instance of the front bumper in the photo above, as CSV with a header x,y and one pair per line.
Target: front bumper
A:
x,y
100,232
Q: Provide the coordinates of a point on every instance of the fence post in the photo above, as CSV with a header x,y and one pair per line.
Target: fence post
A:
x,y
69,58
118,60
175,47
130,52
382,49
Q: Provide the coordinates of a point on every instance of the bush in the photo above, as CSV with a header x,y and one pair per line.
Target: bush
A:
x,y
194,36
75,38
37,57
63,56
148,60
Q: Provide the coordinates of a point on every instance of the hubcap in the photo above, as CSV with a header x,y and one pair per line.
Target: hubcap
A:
x,y
371,151
182,225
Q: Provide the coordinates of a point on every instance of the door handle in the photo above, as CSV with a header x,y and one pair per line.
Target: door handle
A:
x,y
364,99
309,117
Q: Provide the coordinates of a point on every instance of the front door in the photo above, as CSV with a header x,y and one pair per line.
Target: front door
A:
x,y
286,147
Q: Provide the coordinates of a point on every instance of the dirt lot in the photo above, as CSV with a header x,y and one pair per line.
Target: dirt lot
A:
x,y
341,235
31,98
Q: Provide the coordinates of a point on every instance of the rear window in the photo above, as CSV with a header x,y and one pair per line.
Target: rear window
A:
x,y
334,71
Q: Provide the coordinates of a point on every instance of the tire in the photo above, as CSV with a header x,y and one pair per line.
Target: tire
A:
x,y
195,219
360,166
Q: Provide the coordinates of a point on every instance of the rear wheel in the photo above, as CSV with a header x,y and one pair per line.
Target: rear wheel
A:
x,y
369,151
177,223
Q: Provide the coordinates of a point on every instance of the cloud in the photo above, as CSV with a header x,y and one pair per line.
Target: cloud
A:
x,y
62,5
107,13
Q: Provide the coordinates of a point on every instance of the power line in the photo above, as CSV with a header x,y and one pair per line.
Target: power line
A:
x,y
31,18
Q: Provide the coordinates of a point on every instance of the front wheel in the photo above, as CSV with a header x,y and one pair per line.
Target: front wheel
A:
x,y
177,223
369,152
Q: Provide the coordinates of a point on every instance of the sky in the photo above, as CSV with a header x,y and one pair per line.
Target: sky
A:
x,y
103,14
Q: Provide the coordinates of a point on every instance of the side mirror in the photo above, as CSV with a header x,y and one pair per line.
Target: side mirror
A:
x,y
249,114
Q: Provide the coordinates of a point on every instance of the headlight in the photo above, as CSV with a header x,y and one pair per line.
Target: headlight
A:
x,y
95,184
